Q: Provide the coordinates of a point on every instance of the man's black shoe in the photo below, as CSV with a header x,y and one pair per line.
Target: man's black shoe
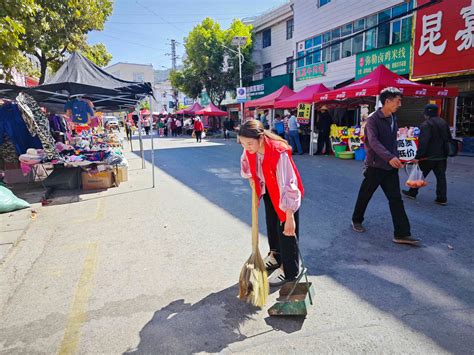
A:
x,y
442,203
408,194
408,240
357,227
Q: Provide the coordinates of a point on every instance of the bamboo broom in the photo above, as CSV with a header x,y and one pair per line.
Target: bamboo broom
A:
x,y
253,281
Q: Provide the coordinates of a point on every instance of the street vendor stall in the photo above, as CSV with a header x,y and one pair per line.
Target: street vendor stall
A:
x,y
269,101
209,111
300,100
79,83
348,138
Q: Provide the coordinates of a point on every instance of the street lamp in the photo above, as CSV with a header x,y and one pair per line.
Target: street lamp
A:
x,y
240,41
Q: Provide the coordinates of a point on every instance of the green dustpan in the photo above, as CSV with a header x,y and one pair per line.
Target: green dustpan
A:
x,y
295,297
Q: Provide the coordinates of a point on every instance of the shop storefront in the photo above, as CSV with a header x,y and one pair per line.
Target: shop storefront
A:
x,y
444,56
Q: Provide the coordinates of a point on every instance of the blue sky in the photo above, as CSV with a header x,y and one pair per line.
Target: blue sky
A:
x,y
139,31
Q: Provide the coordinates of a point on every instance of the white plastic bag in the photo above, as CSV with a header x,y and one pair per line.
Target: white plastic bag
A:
x,y
415,177
203,135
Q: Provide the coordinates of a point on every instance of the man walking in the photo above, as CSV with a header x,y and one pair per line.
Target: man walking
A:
x,y
433,150
381,167
294,134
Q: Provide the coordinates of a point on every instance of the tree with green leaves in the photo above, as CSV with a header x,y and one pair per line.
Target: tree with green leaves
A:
x,y
48,29
13,13
210,64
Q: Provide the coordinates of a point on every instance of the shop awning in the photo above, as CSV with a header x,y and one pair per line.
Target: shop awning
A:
x,y
304,96
270,100
211,110
190,110
379,79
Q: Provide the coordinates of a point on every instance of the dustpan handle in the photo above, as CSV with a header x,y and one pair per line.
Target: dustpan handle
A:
x,y
254,217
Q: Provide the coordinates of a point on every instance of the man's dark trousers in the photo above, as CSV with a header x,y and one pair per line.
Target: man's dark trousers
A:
x,y
324,140
439,169
390,183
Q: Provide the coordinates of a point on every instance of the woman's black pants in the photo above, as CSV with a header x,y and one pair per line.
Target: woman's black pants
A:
x,y
285,248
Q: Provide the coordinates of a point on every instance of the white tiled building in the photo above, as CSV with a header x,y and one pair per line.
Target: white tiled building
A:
x,y
318,22
273,40
307,26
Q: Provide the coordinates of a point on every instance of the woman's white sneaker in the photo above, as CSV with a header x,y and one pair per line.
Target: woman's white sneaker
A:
x,y
277,278
270,262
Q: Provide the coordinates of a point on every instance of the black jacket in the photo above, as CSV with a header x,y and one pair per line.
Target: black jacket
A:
x,y
380,140
433,142
324,122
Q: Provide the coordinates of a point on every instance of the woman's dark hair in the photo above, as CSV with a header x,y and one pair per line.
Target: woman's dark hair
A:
x,y
389,93
254,129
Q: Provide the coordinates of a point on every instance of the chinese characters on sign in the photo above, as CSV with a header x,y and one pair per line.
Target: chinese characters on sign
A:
x,y
431,34
467,34
406,149
396,58
304,113
444,39
310,71
255,90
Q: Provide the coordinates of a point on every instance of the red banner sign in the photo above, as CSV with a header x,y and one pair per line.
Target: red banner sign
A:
x,y
444,39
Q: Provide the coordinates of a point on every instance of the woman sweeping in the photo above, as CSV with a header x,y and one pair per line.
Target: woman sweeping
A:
x,y
267,162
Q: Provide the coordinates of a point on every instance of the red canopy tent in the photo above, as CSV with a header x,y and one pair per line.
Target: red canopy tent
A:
x,y
379,79
190,110
304,96
211,110
270,100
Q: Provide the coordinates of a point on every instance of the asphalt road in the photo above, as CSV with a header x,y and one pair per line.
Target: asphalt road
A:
x,y
141,270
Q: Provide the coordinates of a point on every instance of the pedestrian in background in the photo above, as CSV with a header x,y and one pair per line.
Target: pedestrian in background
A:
x,y
293,126
433,150
198,129
324,128
381,167
147,124
279,183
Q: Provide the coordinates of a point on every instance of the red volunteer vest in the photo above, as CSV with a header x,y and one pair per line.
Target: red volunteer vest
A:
x,y
273,150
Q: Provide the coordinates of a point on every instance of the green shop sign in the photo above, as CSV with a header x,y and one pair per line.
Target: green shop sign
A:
x,y
396,58
310,71
266,86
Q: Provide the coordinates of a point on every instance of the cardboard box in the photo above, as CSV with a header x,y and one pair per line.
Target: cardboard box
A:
x,y
99,181
15,176
122,174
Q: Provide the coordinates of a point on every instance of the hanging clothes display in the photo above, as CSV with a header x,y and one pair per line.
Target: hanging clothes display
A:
x,y
80,109
38,123
14,128
7,150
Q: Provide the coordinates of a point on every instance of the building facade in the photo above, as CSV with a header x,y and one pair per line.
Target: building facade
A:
x,y
132,72
325,42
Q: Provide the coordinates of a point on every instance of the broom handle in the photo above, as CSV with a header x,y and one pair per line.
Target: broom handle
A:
x,y
254,219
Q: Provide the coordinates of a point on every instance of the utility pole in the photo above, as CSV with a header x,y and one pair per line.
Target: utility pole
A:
x,y
173,67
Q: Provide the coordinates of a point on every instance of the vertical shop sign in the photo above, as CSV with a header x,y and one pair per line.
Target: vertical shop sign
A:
x,y
444,39
304,113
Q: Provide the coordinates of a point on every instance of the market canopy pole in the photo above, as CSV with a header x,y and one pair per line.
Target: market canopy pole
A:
x,y
152,146
142,153
311,143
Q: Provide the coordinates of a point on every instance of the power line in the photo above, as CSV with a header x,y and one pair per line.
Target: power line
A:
x,y
131,42
167,22
154,13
